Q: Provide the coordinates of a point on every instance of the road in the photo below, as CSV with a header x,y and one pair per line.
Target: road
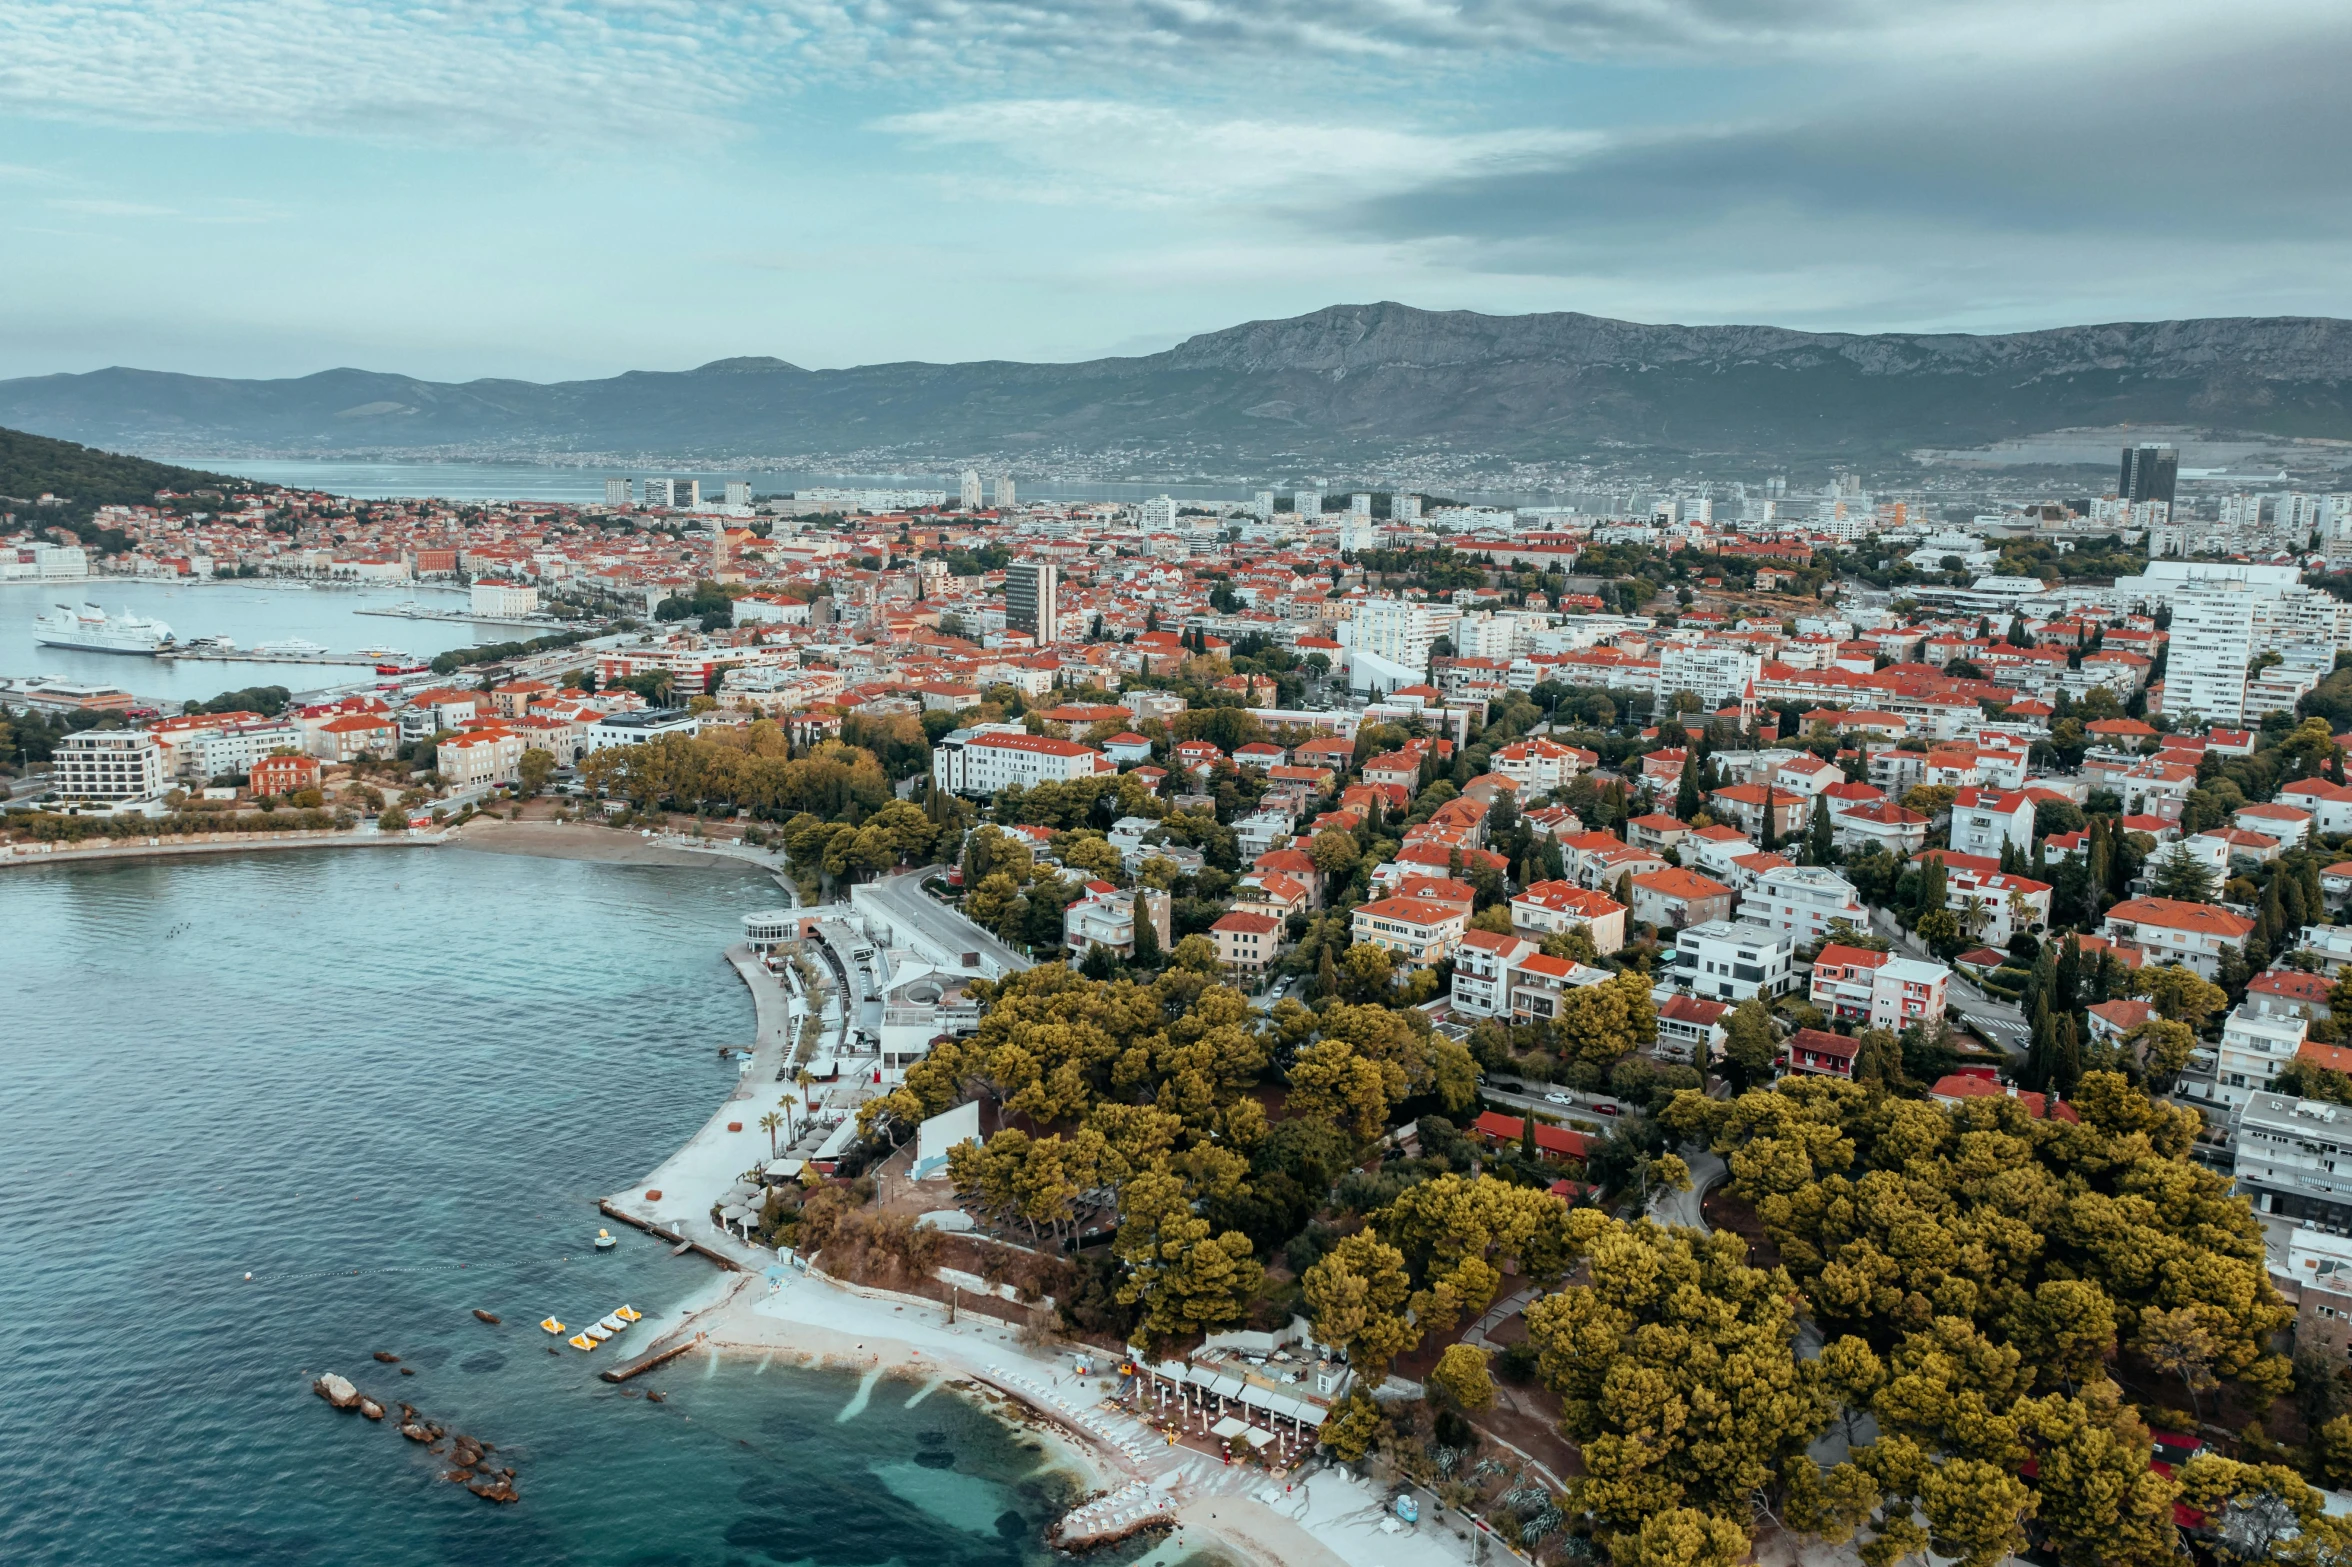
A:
x,y
923,923
1576,1114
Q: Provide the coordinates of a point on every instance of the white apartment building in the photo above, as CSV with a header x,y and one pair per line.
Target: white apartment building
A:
x,y
982,760
617,494
1482,971
2212,642
1802,902
1718,675
637,728
2294,1159
112,766
213,752
30,560
1005,492
1388,641
2254,1048
1731,960
1983,821
494,597
1157,515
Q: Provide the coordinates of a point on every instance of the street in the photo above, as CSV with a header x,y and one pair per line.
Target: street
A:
x,y
1998,1021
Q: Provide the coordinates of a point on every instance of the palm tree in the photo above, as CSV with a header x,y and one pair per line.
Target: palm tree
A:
x,y
768,1124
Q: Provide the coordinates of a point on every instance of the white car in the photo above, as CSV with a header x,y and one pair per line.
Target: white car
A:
x,y
1559,1099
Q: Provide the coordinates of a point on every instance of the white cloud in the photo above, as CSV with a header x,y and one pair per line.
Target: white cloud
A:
x,y
1102,154
592,74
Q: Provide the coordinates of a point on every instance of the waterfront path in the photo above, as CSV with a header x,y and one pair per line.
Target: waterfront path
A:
x,y
710,1161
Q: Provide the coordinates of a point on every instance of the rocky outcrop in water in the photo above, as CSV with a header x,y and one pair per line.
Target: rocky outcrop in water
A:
x,y
336,1390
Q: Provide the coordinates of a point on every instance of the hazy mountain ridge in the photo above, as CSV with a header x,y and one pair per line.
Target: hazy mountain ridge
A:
x,y
1340,381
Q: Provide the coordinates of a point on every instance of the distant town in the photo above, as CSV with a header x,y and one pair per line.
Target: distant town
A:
x,y
1944,912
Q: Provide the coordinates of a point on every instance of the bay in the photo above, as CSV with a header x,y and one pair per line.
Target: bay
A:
x,y
389,1084
247,614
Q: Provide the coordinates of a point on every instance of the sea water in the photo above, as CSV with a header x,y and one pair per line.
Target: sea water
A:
x,y
247,613
389,1084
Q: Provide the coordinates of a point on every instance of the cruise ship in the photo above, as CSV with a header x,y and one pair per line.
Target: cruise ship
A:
x,y
90,630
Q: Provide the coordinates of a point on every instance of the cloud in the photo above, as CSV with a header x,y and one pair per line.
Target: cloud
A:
x,y
501,71
1098,153
564,74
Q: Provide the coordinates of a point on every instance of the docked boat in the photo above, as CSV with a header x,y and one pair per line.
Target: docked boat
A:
x,y
597,1331
90,629
629,1314
210,645
605,1240
290,647
611,1324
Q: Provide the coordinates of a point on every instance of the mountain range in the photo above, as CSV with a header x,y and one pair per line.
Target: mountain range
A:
x,y
1350,381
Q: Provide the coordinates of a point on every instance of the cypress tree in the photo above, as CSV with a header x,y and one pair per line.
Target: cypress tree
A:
x,y
1686,792
2063,1067
1527,1135
2271,917
1819,850
1326,973
1147,936
1768,839
2099,853
2066,979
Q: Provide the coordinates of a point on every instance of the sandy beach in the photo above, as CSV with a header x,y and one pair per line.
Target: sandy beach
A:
x,y
606,845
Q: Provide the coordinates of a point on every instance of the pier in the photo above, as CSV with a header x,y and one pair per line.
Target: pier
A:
x,y
250,656
419,612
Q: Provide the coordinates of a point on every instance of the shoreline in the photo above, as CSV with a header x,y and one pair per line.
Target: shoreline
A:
x,y
235,843
759,1306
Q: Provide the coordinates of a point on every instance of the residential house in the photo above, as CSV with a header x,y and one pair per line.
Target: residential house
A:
x,y
2172,931
1983,822
2253,1050
1104,916
1816,1052
1673,898
1499,1131
1744,804
2287,1153
1537,984
1731,960
1419,932
1550,907
1880,824
1690,1029
1877,989
1482,971
1657,831
1246,940
1807,901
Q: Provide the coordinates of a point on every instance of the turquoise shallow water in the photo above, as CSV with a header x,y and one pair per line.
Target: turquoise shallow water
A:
x,y
389,1084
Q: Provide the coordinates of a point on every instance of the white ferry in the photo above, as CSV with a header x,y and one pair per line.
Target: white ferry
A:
x,y
290,647
89,630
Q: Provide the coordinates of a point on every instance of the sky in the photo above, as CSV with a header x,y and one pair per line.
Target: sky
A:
x,y
549,189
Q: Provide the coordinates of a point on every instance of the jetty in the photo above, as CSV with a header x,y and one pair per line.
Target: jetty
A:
x,y
250,656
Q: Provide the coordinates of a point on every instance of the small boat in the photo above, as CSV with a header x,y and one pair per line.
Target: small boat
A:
x,y
630,1314
552,1326
605,1241
581,1341
612,1324
597,1331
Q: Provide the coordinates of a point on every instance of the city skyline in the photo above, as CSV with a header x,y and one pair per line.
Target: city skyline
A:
x,y
582,190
